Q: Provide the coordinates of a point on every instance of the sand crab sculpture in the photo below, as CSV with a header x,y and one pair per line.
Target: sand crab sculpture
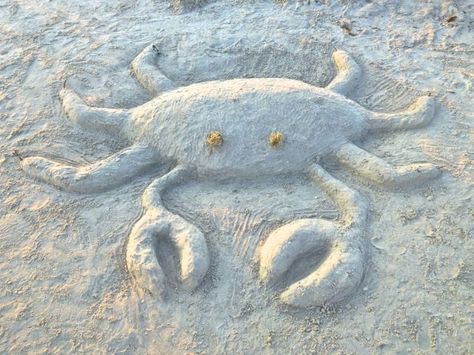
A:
x,y
243,128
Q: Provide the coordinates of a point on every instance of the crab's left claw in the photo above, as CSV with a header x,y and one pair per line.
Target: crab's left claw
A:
x,y
336,277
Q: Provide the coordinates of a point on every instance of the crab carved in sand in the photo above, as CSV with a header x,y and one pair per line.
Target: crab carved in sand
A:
x,y
243,128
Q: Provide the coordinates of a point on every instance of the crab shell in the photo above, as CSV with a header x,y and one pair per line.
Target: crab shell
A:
x,y
315,122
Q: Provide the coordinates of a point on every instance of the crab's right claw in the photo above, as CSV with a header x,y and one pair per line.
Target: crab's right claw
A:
x,y
337,276
188,241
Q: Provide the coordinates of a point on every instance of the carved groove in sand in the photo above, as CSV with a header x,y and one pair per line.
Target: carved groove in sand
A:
x,y
243,128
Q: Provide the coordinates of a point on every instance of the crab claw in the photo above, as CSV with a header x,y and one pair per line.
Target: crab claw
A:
x,y
141,258
336,277
188,240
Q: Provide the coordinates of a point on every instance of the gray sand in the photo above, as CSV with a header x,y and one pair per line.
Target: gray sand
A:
x,y
67,287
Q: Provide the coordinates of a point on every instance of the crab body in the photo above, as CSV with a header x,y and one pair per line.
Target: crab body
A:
x,y
315,121
243,128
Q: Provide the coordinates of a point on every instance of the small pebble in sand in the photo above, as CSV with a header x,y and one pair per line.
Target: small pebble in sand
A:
x,y
275,139
214,139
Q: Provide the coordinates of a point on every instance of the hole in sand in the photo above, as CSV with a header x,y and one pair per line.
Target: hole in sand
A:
x,y
167,256
303,266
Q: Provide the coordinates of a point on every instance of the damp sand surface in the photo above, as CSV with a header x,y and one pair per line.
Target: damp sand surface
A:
x,y
66,288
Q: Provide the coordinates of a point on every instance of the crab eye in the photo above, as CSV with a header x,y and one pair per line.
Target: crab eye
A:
x,y
214,139
275,139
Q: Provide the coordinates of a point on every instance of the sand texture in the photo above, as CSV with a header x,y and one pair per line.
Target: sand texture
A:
x,y
236,177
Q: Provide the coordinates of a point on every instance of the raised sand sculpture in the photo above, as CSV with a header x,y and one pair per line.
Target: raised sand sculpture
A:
x,y
243,128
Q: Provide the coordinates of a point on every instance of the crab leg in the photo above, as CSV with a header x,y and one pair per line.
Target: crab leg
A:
x,y
343,266
157,222
419,115
348,73
379,171
147,72
105,120
351,203
101,176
